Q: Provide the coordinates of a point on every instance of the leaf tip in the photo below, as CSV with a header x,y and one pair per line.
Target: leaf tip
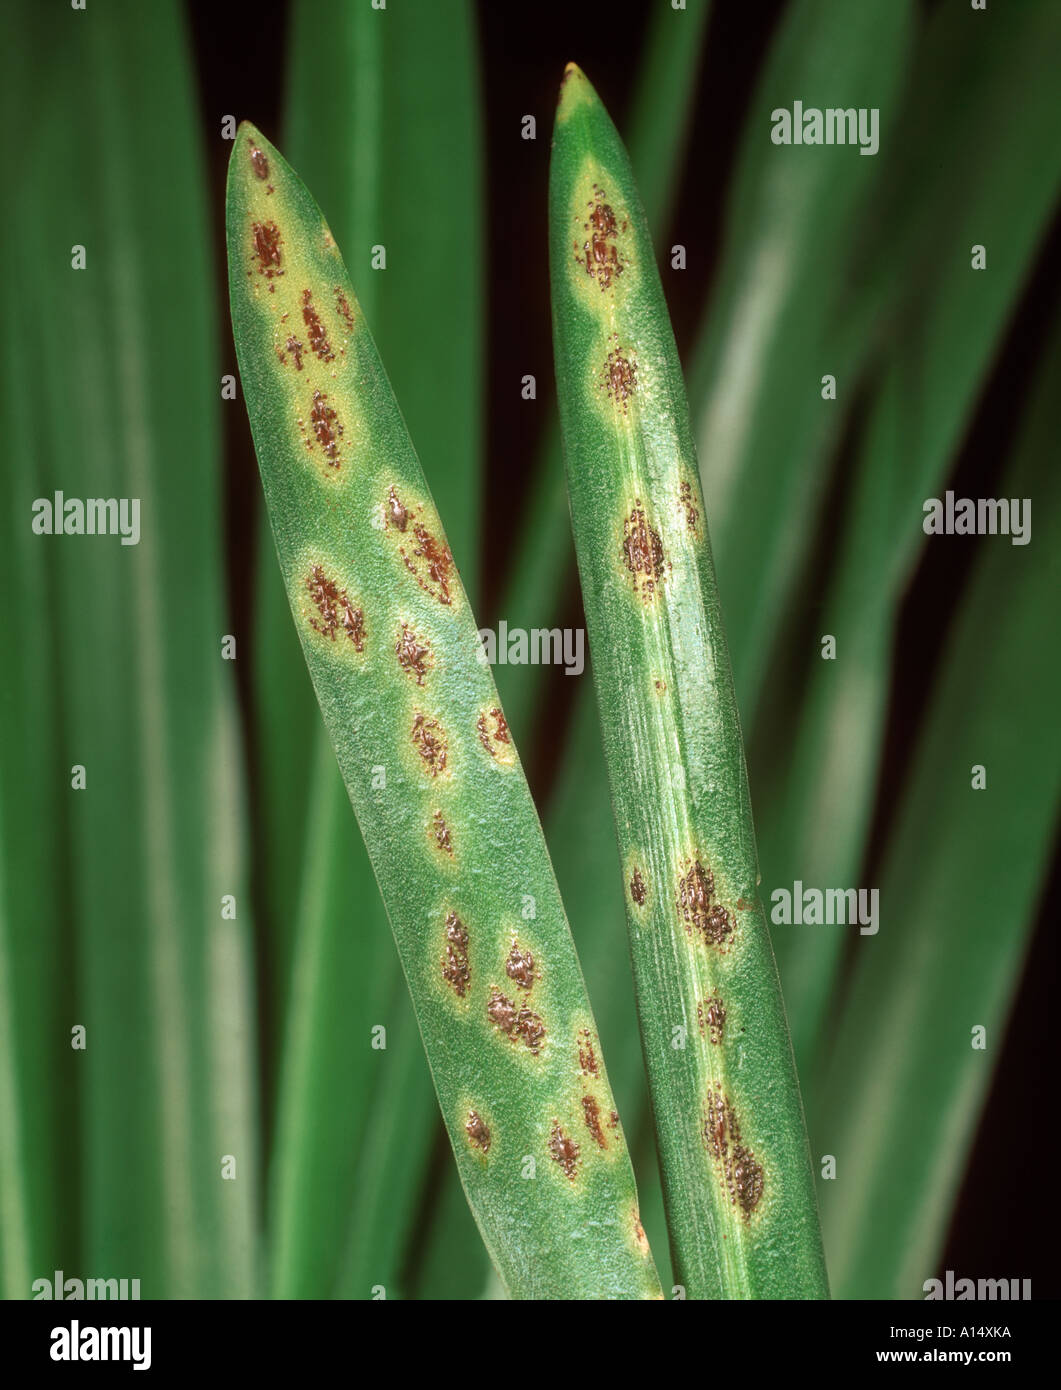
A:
x,y
575,91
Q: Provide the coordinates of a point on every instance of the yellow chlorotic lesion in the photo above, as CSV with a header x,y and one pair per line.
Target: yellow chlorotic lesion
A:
x,y
602,264
330,610
451,957
312,316
415,531
575,92
492,730
473,1117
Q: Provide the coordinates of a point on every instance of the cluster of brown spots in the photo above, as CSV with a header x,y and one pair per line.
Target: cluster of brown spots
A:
x,y
685,499
500,732
432,557
741,1173
429,561
599,253
613,1120
430,742
441,835
717,925
521,1025
456,970
413,654
637,888
643,549
564,1150
326,428
336,611
397,515
712,920
619,378
591,1111
712,1015
587,1055
259,163
267,250
477,1131
520,967
294,347
342,306
315,330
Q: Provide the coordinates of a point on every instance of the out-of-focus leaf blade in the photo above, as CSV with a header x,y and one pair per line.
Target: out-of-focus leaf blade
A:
x,y
959,884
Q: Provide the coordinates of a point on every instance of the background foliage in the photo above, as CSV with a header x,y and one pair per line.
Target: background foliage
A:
x,y
209,1036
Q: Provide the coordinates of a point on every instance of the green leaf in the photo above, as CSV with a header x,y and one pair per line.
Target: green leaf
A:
x,y
379,103
126,401
455,842
778,322
729,1122
946,333
958,890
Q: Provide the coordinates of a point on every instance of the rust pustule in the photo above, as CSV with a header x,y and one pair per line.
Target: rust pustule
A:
x,y
518,1024
717,925
336,612
315,330
685,500
638,890
413,654
342,308
640,1238
294,347
267,243
695,891
620,378
429,740
499,734
440,834
600,254
587,1054
477,1131
430,563
397,515
259,163
326,427
711,1013
456,970
739,1171
591,1112
520,967
564,1149
643,552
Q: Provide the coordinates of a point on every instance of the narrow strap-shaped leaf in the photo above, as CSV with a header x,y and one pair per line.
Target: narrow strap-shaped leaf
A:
x,y
963,869
817,816
454,839
777,323
378,102
149,850
736,1167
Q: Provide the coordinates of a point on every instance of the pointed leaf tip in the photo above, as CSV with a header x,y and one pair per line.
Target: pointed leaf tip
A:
x,y
575,89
